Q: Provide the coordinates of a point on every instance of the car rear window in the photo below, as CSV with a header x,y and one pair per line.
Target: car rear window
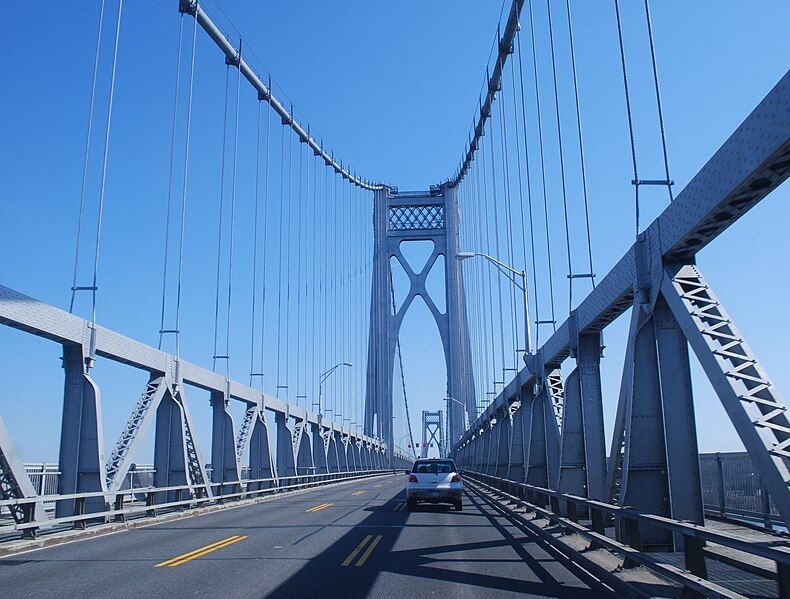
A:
x,y
434,467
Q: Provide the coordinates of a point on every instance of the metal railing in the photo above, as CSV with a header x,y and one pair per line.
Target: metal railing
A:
x,y
590,519
732,489
124,503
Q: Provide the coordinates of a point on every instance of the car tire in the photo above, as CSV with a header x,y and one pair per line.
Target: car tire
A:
x,y
411,505
459,506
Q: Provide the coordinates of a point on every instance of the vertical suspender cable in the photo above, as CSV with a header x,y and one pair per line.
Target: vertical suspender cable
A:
x,y
84,187
232,232
221,207
485,222
184,194
280,262
581,144
255,218
658,99
562,158
542,177
288,271
170,181
104,165
496,241
529,182
265,246
299,276
508,220
628,110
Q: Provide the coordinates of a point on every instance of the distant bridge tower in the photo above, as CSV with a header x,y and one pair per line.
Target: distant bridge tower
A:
x,y
421,216
433,431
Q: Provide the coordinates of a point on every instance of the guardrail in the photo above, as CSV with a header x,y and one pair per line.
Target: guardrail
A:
x,y
732,490
589,518
198,496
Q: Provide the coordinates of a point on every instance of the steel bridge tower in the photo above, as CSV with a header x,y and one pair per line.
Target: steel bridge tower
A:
x,y
433,432
416,216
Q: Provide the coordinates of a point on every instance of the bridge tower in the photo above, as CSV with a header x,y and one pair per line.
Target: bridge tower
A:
x,y
433,432
416,216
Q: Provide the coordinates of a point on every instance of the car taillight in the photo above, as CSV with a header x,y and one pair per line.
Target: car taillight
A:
x,y
412,478
456,479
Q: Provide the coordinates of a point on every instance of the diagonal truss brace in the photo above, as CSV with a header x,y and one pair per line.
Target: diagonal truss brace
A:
x,y
139,421
750,399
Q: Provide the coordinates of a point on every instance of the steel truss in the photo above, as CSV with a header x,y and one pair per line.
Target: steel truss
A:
x,y
89,483
653,464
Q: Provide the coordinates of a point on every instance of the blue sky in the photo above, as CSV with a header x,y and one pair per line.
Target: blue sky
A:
x,y
392,88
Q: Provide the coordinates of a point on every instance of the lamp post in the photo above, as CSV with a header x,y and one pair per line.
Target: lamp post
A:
x,y
519,279
322,380
448,399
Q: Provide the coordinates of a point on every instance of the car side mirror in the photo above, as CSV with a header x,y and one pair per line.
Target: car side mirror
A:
x,y
408,471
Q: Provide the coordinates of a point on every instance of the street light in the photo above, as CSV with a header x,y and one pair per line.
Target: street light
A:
x,y
448,399
322,379
513,276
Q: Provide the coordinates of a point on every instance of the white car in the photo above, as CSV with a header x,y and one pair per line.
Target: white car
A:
x,y
434,481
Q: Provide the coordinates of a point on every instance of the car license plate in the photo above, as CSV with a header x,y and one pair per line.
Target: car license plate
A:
x,y
433,493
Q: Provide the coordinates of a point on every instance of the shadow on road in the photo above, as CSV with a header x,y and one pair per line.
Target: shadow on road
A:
x,y
420,562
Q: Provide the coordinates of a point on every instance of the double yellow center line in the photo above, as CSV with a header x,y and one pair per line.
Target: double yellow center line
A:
x,y
318,508
399,507
364,557
187,557
358,492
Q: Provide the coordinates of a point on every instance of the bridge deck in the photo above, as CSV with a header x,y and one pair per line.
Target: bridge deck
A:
x,y
289,550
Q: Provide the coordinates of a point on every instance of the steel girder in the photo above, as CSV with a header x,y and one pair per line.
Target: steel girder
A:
x,y
750,399
319,449
15,482
24,313
261,463
224,457
751,163
81,463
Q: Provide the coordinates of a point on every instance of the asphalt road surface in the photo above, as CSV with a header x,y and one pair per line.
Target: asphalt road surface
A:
x,y
351,540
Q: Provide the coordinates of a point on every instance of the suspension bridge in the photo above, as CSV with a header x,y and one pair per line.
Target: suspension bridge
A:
x,y
253,440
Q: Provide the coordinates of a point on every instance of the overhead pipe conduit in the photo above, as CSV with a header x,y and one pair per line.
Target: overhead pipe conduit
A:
x,y
233,56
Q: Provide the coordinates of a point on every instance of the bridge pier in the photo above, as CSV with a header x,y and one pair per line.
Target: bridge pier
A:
x,y
503,442
170,467
81,461
320,461
332,452
660,467
543,444
224,462
516,470
304,453
341,442
286,462
261,464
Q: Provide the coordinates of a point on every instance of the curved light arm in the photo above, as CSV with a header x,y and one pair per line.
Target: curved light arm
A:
x,y
519,279
326,374
510,272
